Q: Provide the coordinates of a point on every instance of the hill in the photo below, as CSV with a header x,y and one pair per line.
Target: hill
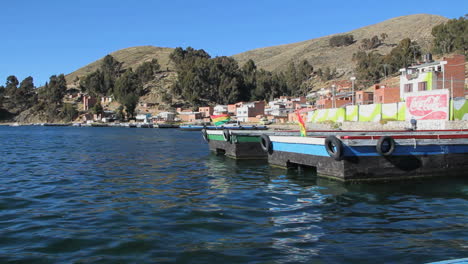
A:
x,y
319,53
130,57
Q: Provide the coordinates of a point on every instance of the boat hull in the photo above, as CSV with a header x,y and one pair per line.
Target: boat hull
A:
x,y
360,160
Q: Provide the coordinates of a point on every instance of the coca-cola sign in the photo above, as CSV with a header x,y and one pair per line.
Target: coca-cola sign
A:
x,y
434,106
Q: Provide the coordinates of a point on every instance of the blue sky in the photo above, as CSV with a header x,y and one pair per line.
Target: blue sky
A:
x,y
42,38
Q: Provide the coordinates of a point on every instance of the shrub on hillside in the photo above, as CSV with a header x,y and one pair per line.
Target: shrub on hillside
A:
x,y
341,40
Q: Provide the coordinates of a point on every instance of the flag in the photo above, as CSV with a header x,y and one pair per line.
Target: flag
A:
x,y
220,119
301,125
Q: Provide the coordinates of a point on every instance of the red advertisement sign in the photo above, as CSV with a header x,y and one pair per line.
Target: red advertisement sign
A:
x,y
428,107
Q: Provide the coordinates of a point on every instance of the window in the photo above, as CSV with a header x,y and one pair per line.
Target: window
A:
x,y
408,88
422,86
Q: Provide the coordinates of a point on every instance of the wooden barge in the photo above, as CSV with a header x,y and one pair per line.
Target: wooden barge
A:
x,y
352,156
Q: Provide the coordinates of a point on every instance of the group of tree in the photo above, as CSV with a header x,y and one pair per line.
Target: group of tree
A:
x,y
451,36
125,85
15,96
341,40
204,80
374,42
327,74
372,66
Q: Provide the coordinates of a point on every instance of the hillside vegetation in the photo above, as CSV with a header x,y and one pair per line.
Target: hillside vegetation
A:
x,y
320,54
130,58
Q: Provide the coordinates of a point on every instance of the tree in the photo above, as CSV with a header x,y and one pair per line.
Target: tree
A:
x,y
403,55
54,90
130,102
120,114
111,70
451,36
372,43
25,96
102,81
69,112
2,92
11,84
98,109
127,91
93,83
341,40
147,70
369,66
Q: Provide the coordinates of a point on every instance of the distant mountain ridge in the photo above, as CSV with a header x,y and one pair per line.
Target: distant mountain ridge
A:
x,y
319,53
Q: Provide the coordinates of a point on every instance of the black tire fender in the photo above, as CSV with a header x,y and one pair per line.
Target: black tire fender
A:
x,y
205,135
265,143
334,147
226,135
385,146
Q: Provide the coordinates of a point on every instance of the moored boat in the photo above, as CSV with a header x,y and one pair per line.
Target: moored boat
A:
x,y
229,126
352,156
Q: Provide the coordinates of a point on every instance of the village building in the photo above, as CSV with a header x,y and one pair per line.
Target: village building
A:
x,y
386,95
220,109
206,111
232,108
190,116
106,100
364,97
88,102
145,118
250,111
449,73
165,117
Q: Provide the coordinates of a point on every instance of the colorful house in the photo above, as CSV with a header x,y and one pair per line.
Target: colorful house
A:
x,y
249,111
364,97
386,95
449,73
206,111
88,102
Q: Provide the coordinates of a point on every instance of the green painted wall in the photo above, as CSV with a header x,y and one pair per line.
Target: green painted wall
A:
x,y
428,81
376,112
370,113
352,113
460,110
390,111
401,111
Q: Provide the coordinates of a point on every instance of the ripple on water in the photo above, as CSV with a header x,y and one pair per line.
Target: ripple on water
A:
x,y
119,195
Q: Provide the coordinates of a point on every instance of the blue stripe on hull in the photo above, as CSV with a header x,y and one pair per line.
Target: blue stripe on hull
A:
x,y
400,150
309,149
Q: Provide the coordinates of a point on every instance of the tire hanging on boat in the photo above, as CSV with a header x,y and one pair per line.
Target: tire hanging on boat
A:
x,y
205,135
334,147
226,135
385,146
265,143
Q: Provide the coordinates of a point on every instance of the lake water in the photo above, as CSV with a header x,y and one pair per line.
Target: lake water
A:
x,y
121,195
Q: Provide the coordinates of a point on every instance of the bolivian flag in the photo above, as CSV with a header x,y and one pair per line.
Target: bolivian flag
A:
x,y
220,119
301,125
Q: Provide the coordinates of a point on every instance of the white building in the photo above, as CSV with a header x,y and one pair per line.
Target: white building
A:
x,y
220,109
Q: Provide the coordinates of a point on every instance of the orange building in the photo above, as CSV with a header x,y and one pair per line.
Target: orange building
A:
x,y
386,95
327,102
205,111
363,97
88,102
